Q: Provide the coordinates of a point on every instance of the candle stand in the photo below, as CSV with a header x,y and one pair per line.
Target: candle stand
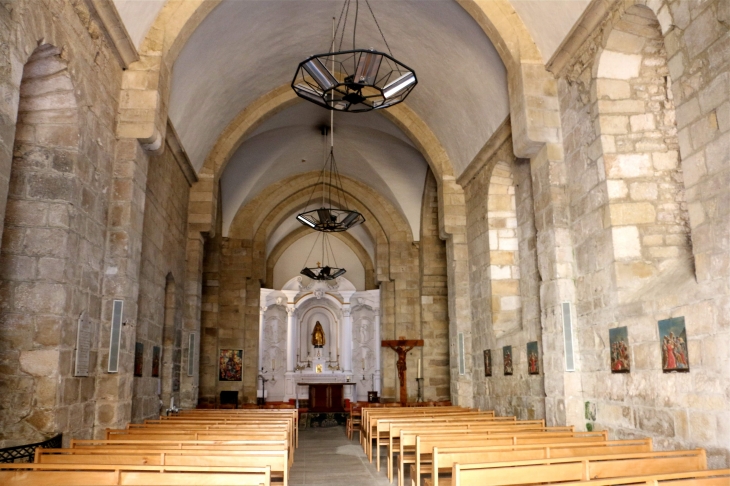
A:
x,y
420,390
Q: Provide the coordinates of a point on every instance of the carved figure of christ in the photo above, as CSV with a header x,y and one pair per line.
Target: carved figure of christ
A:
x,y
402,346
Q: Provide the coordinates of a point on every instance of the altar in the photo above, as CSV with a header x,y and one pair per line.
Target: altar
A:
x,y
319,333
326,397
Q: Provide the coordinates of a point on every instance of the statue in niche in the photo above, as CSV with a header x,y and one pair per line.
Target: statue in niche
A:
x,y
318,339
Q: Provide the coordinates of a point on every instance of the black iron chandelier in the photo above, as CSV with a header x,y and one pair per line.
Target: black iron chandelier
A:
x,y
323,271
354,80
330,218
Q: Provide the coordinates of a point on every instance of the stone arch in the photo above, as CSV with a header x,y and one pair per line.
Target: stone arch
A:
x,y
637,129
171,362
345,237
504,259
38,274
259,217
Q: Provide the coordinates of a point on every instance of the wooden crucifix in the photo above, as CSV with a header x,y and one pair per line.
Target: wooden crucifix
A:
x,y
402,346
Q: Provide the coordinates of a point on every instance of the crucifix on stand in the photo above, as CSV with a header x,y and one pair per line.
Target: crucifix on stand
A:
x,y
402,346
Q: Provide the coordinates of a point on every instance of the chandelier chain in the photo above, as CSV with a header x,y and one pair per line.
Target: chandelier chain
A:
x,y
378,26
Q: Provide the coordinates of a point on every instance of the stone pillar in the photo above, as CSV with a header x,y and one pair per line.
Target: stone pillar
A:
x,y
121,281
189,385
290,335
376,379
346,339
261,337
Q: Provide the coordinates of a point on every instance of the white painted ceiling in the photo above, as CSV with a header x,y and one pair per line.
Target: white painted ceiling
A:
x,y
138,16
549,21
368,148
246,48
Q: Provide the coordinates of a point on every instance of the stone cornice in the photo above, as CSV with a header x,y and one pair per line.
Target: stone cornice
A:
x,y
115,30
583,28
173,141
500,135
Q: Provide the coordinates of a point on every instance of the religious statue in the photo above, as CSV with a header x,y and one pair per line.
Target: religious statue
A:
x,y
402,346
318,339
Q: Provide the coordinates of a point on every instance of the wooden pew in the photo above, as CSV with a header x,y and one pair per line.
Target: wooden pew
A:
x,y
416,441
458,426
277,461
183,435
240,413
389,428
686,464
717,477
378,425
101,475
369,413
444,458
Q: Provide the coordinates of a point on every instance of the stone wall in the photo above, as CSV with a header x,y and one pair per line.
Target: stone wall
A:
x,y
434,299
645,105
501,235
63,97
160,307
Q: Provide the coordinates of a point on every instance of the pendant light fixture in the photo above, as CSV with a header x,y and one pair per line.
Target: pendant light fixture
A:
x,y
354,80
333,215
326,268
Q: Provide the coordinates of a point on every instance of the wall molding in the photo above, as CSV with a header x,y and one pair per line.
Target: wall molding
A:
x,y
495,142
115,30
173,141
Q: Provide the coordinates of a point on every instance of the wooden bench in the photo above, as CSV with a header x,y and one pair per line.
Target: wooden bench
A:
x,y
389,428
470,474
717,477
102,475
277,461
370,414
193,445
444,458
416,441
457,426
379,426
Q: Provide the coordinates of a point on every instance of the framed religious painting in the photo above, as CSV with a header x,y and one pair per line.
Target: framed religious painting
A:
x,y
156,350
507,355
673,345
533,359
138,358
618,339
230,365
487,362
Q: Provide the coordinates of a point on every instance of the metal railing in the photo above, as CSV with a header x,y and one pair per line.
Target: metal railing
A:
x,y
26,453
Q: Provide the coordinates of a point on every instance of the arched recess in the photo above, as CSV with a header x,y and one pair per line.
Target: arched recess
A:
x,y
646,213
504,259
345,237
38,274
171,345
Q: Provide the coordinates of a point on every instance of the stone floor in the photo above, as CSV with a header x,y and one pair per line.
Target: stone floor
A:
x,y
326,458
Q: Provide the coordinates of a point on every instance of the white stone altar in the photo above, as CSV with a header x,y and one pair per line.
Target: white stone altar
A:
x,y
351,323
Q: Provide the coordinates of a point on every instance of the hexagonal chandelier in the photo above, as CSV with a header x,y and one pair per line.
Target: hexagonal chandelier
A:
x,y
355,80
333,215
323,271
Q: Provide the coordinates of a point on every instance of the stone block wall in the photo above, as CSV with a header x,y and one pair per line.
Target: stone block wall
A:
x,y
160,307
648,170
56,133
499,208
434,300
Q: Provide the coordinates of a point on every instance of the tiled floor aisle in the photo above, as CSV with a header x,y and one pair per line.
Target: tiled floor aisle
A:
x,y
326,458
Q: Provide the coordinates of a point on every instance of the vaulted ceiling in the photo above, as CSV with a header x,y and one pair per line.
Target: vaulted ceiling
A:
x,y
244,49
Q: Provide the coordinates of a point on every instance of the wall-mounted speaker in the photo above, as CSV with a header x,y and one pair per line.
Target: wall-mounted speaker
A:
x,y
462,367
116,336
568,335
